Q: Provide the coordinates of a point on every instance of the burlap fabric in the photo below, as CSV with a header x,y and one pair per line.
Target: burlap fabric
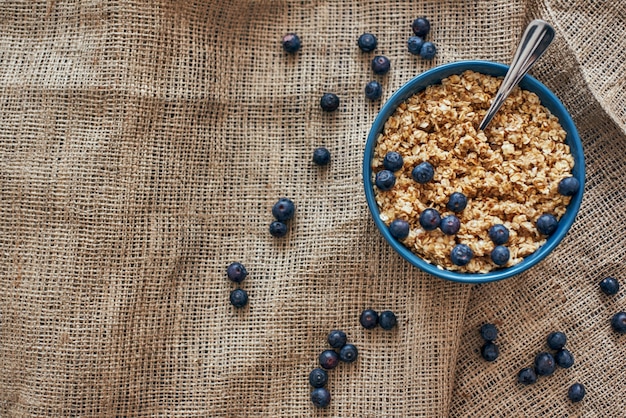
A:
x,y
142,145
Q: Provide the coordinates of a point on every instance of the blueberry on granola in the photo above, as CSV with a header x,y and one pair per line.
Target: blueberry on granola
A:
x,y
393,161
430,219
399,229
423,172
450,225
500,255
568,186
547,224
461,254
385,180
457,202
499,234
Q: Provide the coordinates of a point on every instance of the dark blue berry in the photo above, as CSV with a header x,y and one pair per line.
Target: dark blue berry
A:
x,y
381,65
367,42
618,322
415,44
609,286
393,161
461,254
399,229
337,339
499,234
546,224
320,397
544,364
527,376
385,180
329,359
568,186
489,351
329,102
291,43
489,332
321,156
373,90
457,202
564,358
423,172
318,377
421,26
556,340
283,210
387,320
428,51
278,229
430,219
369,319
348,353
500,255
450,225
576,392
239,298
236,272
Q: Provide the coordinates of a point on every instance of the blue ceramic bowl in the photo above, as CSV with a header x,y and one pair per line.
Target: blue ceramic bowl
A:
x,y
548,99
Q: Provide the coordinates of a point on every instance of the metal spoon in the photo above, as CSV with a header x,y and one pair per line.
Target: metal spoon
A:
x,y
536,38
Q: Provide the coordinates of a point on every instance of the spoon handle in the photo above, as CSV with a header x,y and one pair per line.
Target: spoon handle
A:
x,y
536,38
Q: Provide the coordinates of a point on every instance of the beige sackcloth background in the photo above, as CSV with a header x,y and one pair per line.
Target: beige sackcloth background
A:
x,y
142,146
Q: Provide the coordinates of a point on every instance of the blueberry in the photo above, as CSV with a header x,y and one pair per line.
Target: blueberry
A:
x,y
373,90
430,219
236,272
329,102
348,353
618,322
318,377
576,392
546,224
500,255
369,319
499,234
367,42
421,26
489,351
321,156
399,229
489,332
428,51
329,359
239,298
527,376
568,186
320,397
423,172
564,358
278,229
385,180
609,286
544,364
291,43
393,161
415,44
457,202
461,254
556,340
337,339
381,65
387,320
450,225
284,209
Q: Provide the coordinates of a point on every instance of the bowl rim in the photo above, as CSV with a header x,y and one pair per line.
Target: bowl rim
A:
x,y
548,99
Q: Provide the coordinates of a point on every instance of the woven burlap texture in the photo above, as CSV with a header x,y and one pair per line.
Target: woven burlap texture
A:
x,y
142,146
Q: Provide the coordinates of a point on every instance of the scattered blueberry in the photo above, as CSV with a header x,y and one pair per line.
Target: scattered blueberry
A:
x,y
568,186
393,161
369,319
489,351
373,90
239,298
556,340
423,172
367,42
415,44
318,377
284,209
291,43
609,286
321,156
329,102
546,224
489,332
337,339
387,320
527,376
430,219
428,51
500,255
278,229
399,229
421,26
461,254
499,234
450,225
329,359
618,322
564,358
381,65
348,353
544,364
320,397
576,392
236,272
457,202
385,180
